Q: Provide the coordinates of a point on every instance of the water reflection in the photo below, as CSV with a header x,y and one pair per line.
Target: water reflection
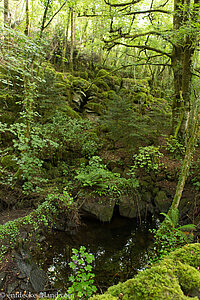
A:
x,y
120,249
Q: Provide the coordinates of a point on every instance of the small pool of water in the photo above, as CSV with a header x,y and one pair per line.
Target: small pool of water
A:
x,y
120,248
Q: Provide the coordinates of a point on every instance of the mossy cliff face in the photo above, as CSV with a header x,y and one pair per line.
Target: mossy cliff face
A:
x,y
175,277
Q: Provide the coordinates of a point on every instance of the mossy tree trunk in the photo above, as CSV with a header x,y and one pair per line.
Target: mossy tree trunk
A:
x,y
190,147
185,14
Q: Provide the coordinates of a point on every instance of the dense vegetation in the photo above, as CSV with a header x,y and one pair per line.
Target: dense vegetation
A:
x,y
99,108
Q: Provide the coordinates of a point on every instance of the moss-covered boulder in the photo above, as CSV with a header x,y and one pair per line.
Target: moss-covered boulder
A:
x,y
95,107
175,277
70,112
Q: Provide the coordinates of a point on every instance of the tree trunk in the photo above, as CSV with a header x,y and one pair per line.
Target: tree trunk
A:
x,y
194,134
183,51
65,41
26,31
6,10
72,41
44,17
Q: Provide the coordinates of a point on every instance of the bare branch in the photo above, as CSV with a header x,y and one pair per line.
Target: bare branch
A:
x,y
55,14
148,12
122,4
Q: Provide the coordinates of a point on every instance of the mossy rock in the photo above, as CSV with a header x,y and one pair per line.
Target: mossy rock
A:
x,y
100,83
95,107
80,83
93,89
70,112
128,207
173,278
9,162
101,208
189,254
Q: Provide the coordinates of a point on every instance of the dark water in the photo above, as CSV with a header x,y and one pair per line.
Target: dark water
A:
x,y
120,249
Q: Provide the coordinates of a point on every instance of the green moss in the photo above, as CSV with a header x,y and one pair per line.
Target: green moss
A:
x,y
141,96
189,254
9,162
117,80
189,277
96,107
80,83
102,84
105,74
172,278
70,112
104,297
93,88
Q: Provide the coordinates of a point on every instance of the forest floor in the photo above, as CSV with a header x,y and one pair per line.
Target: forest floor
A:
x,y
12,214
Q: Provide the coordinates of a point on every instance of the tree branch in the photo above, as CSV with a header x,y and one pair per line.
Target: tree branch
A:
x,y
148,12
55,14
143,47
122,4
133,37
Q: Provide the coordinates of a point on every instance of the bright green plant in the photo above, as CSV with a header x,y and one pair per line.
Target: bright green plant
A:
x,y
170,235
82,278
148,159
63,200
44,218
196,174
96,175
75,134
28,156
175,147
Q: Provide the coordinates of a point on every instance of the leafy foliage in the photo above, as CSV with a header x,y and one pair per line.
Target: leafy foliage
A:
x,y
170,235
175,147
82,278
123,122
96,175
148,159
42,219
76,134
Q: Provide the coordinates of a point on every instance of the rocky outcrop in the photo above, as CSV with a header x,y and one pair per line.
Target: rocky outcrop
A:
x,y
162,202
22,275
99,207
